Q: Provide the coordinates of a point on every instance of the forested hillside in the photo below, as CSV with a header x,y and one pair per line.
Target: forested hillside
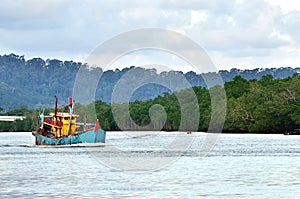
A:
x,y
33,83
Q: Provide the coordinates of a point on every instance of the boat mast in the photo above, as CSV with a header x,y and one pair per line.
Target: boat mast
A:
x,y
55,114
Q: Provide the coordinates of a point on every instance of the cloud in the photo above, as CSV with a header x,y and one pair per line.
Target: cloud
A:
x,y
32,14
69,29
290,24
249,25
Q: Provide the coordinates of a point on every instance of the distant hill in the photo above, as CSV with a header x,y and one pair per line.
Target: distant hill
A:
x,y
35,82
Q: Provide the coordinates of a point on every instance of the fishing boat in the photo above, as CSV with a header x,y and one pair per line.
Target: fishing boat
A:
x,y
294,132
61,128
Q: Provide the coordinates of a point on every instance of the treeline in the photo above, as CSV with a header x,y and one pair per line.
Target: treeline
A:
x,y
253,106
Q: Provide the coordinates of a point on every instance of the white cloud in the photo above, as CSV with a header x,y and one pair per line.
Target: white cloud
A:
x,y
249,32
285,6
231,21
197,17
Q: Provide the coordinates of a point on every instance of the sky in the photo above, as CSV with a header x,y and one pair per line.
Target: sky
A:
x,y
235,33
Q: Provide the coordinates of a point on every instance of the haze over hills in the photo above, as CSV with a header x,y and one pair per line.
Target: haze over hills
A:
x,y
35,82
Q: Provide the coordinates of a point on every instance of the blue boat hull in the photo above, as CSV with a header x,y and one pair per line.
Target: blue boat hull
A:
x,y
91,136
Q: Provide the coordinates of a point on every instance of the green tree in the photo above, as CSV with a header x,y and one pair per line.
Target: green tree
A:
x,y
237,87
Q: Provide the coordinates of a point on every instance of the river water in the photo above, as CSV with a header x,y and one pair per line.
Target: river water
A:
x,y
239,166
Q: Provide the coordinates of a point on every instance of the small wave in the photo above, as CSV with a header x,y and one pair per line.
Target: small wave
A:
x,y
17,145
81,145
